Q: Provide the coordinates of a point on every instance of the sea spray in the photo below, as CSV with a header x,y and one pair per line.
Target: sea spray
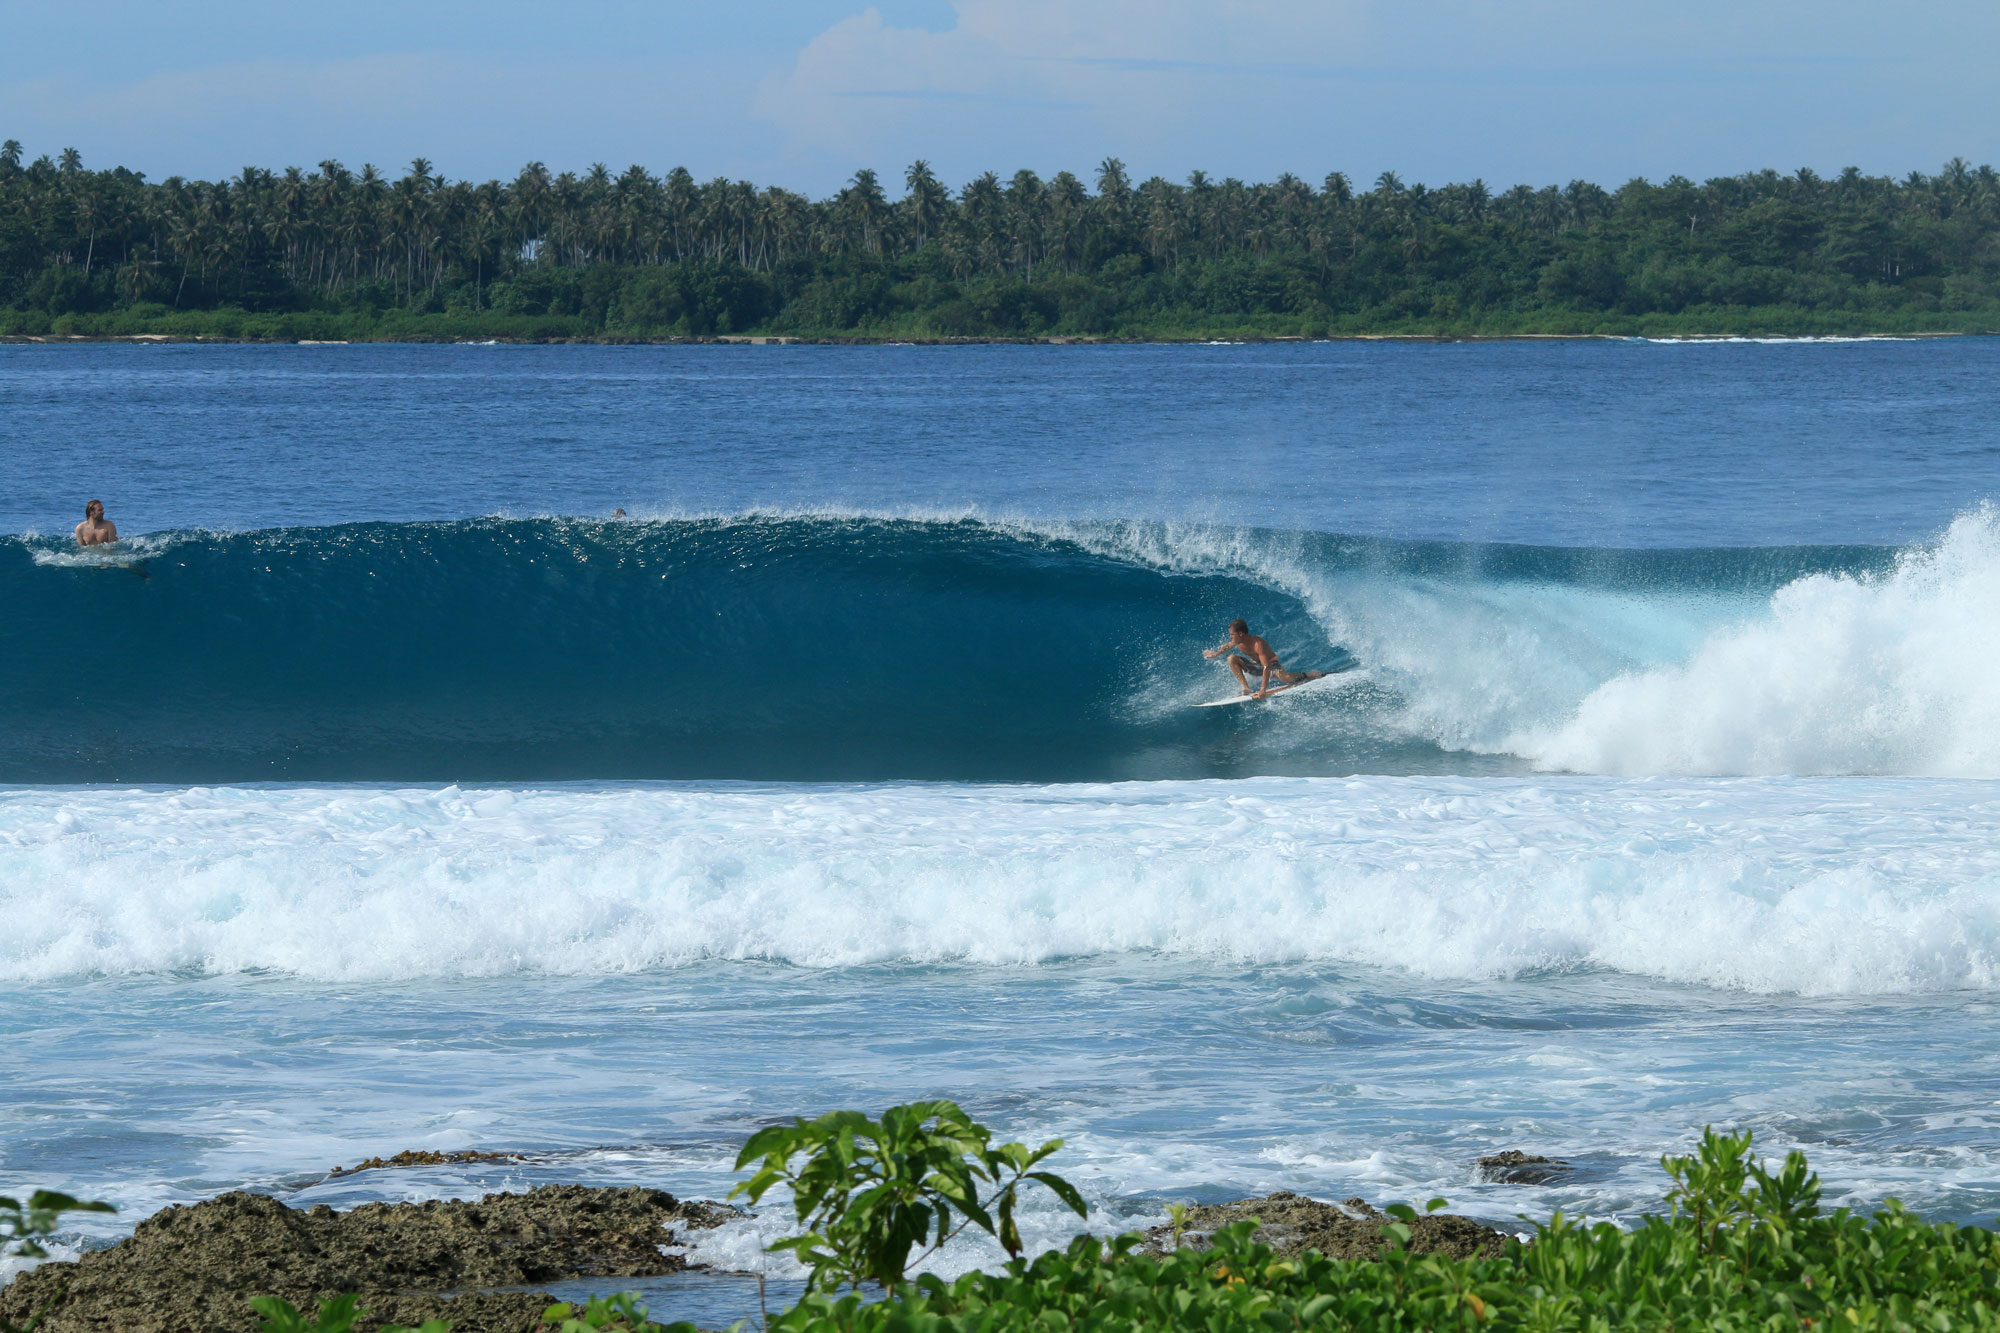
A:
x,y
1890,673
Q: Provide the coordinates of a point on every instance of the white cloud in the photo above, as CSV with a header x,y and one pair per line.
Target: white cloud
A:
x,y
1057,84
1437,90
1537,90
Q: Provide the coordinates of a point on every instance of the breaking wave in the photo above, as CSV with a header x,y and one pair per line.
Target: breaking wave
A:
x,y
850,648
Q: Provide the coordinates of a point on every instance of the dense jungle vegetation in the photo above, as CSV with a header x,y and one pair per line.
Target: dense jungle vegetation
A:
x,y
333,253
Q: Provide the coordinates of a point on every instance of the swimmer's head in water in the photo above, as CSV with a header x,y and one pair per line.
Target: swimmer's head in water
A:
x,y
95,509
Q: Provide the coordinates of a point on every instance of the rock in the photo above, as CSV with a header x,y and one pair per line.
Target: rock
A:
x,y
193,1269
1515,1167
423,1157
1292,1224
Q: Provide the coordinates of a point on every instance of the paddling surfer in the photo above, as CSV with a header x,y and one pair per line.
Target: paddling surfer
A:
x,y
96,529
1248,653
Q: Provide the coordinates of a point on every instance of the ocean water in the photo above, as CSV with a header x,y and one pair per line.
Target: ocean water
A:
x,y
383,791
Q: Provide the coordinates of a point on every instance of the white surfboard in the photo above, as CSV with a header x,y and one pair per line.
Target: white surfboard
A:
x,y
1324,685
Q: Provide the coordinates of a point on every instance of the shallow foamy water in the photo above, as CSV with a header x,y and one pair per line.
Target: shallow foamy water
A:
x,y
1210,989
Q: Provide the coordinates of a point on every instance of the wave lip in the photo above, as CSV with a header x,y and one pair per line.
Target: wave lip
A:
x,y
1816,887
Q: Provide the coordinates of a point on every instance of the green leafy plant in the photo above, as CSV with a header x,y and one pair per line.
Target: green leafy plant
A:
x,y
21,1228
337,1314
21,1225
1744,1247
869,1192
621,1313
1721,1184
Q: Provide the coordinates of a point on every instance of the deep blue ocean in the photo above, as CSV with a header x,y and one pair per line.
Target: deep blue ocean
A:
x,y
386,788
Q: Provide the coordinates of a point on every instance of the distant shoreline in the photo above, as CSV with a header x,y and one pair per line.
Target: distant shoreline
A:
x,y
1055,340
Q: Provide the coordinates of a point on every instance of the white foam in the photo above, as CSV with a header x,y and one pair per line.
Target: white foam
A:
x,y
1831,675
1820,887
115,555
1812,339
1473,663
1891,674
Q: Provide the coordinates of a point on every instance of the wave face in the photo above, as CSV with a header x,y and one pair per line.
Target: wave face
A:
x,y
1750,884
804,648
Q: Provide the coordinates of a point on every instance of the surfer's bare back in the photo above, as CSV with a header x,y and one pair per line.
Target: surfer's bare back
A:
x,y
96,529
1242,647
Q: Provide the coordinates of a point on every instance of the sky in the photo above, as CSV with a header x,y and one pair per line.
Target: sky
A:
x,y
801,93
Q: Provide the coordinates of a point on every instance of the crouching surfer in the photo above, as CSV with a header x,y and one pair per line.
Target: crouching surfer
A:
x,y
1250,655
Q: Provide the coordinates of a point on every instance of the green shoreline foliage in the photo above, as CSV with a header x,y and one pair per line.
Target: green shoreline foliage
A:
x,y
333,254
22,1227
1743,1246
868,1192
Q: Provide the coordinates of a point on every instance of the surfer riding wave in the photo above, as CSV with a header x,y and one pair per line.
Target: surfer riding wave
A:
x,y
1248,654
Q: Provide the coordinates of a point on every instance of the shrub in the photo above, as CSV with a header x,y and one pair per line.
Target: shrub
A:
x,y
869,1192
606,1314
1745,1248
337,1314
22,1227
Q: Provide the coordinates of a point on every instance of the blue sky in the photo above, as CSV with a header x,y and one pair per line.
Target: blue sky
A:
x,y
801,94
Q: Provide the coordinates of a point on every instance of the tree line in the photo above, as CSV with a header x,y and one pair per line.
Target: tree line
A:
x,y
633,253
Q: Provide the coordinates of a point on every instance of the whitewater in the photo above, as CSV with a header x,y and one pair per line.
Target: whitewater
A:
x,y
1803,887
384,791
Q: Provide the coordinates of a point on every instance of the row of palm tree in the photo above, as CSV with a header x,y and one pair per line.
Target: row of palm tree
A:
x,y
330,229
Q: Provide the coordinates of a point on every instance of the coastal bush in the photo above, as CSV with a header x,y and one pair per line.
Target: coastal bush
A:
x,y
868,1192
1743,1247
606,1314
337,1314
22,1227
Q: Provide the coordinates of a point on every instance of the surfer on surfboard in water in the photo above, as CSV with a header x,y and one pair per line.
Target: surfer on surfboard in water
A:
x,y
96,529
1248,653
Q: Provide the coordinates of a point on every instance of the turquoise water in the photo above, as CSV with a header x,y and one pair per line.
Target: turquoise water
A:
x,y
408,800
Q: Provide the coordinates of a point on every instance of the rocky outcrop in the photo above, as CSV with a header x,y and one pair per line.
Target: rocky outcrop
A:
x,y
1515,1167
192,1269
1292,1224
422,1157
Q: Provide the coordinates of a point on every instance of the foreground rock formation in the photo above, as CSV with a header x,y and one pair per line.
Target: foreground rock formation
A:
x,y
1292,1224
193,1269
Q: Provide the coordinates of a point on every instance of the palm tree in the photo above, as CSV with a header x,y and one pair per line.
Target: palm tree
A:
x,y
925,205
864,209
1024,220
1114,195
137,276
981,209
1068,211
